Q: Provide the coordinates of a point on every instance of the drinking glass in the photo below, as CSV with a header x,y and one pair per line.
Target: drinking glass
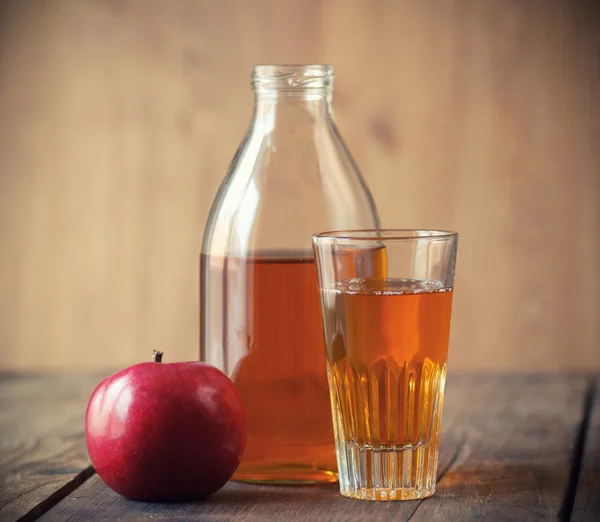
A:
x,y
386,300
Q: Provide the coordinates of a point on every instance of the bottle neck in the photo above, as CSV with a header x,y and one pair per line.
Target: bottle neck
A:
x,y
293,109
292,95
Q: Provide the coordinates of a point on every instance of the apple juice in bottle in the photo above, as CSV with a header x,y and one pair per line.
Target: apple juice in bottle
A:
x,y
260,319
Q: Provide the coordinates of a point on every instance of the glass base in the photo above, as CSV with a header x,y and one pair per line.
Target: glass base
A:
x,y
401,473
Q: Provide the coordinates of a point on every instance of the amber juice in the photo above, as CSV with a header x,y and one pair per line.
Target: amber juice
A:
x,y
272,310
387,347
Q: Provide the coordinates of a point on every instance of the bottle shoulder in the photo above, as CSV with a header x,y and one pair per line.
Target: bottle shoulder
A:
x,y
280,190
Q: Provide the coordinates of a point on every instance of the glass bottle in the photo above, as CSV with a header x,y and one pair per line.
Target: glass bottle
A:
x,y
291,177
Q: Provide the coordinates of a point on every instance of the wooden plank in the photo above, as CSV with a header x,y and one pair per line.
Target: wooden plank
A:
x,y
42,449
587,500
515,462
505,453
42,454
94,501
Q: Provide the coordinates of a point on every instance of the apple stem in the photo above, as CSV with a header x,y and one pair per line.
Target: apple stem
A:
x,y
157,356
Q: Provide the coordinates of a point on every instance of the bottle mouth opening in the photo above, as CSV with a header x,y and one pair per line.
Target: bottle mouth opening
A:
x,y
292,78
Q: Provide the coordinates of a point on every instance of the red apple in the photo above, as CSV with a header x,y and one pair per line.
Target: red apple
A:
x,y
163,432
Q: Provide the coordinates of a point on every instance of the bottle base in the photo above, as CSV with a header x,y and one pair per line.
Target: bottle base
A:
x,y
282,474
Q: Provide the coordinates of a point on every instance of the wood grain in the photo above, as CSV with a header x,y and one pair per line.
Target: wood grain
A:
x,y
505,455
42,449
118,120
516,459
587,499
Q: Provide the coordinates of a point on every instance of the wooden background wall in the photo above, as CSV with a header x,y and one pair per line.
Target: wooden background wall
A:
x,y
118,120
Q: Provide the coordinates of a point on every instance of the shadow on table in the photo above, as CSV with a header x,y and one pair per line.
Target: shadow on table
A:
x,y
484,481
487,489
236,493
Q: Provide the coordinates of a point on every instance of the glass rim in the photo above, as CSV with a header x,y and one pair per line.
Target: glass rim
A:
x,y
386,234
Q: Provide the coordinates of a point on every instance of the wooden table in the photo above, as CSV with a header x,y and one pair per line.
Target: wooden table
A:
x,y
513,448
